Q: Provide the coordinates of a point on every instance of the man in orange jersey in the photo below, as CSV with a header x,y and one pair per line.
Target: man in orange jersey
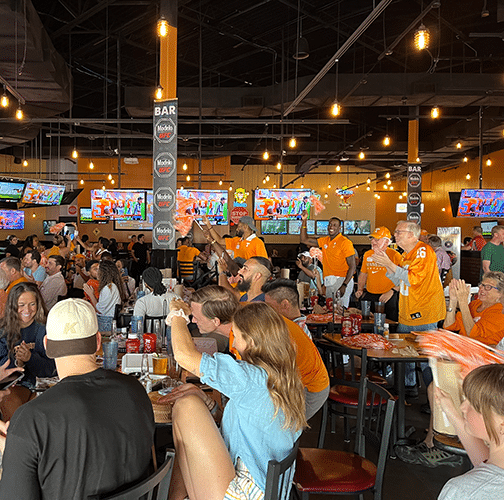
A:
x,y
373,284
338,258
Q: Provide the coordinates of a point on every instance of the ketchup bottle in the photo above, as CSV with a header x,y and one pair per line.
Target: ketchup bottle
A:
x,y
133,343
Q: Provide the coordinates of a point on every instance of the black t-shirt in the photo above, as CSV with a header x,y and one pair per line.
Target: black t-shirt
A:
x,y
13,250
87,435
140,250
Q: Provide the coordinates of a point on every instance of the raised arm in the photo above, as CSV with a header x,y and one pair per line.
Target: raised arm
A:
x,y
213,233
310,242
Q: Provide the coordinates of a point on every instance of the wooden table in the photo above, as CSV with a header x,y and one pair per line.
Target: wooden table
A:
x,y
400,340
367,326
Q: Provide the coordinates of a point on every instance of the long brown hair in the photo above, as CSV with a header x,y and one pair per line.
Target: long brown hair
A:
x,y
484,388
108,273
269,346
10,324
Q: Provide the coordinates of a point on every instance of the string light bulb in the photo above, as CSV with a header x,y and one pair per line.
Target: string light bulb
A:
x,y
405,193
274,186
109,177
34,215
75,154
266,155
188,178
386,140
443,209
422,37
488,163
326,196
19,113
391,188
112,182
103,187
159,93
459,145
434,112
292,142
25,163
362,155
162,27
368,189
338,168
465,159
389,182
184,166
220,182
329,186
279,166
335,109
264,181
468,176
387,175
91,165
368,180
4,101
81,182
302,186
230,188
385,186
267,178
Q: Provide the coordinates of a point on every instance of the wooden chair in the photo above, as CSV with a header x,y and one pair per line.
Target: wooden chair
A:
x,y
333,472
155,487
279,476
187,271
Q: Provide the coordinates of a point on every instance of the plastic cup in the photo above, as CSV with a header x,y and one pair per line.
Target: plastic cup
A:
x,y
110,350
174,369
379,307
134,323
379,323
366,309
160,364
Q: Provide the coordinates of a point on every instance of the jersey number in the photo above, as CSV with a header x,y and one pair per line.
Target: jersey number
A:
x,y
421,254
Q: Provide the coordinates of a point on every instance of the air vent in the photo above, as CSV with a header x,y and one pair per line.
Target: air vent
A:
x,y
250,101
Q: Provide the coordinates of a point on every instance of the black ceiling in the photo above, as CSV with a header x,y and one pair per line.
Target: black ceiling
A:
x,y
235,65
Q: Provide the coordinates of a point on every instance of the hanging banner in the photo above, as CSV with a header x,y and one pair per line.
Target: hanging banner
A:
x,y
165,173
414,192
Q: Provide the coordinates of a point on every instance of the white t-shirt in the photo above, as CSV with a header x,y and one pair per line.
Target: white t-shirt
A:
x,y
109,297
154,305
485,482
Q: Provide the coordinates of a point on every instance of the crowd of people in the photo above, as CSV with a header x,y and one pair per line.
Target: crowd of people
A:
x,y
266,358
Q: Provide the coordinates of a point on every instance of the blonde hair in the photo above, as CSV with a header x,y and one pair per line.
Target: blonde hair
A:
x,y
484,388
269,346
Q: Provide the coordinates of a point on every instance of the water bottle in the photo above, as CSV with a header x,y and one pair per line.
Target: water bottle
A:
x,y
145,378
139,333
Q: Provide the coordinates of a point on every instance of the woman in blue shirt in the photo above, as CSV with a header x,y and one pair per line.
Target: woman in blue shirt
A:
x,y
263,418
22,330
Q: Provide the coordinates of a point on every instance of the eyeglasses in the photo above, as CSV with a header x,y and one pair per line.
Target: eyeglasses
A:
x,y
487,287
397,231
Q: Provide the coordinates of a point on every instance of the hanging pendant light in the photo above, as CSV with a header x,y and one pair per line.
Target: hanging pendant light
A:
x,y
422,37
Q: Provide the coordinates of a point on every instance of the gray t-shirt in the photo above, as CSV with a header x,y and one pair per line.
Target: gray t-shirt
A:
x,y
483,482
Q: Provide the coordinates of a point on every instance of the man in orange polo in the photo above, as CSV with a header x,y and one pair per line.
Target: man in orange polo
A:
x,y
373,284
12,268
338,259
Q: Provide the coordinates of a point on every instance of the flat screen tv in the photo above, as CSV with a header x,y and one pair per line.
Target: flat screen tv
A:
x,y
85,217
274,227
43,194
481,203
12,219
122,204
356,227
486,227
321,226
281,203
138,225
295,226
199,202
11,191
46,226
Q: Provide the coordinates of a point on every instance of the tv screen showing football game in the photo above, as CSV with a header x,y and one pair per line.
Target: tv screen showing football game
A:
x,y
486,227
12,219
295,226
43,194
322,227
11,191
274,227
139,225
481,203
85,217
199,202
281,203
356,227
118,204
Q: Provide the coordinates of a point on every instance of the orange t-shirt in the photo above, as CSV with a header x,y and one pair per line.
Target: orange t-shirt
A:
x,y
14,283
334,254
250,247
95,285
423,301
377,281
187,254
489,327
311,367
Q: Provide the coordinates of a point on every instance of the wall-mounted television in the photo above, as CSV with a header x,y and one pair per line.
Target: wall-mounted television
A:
x,y
43,194
199,202
295,226
321,226
86,217
11,191
486,227
138,225
274,227
46,226
11,219
281,203
356,227
481,203
123,204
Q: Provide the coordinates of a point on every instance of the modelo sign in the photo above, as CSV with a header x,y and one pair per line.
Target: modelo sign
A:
x,y
164,199
164,234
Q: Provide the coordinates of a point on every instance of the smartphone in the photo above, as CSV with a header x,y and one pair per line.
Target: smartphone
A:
x,y
11,380
69,231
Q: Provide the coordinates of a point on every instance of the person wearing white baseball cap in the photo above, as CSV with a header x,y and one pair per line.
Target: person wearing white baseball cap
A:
x,y
308,270
90,433
373,284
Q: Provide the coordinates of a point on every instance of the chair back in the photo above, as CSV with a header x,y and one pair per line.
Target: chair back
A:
x,y
279,476
186,271
374,425
155,487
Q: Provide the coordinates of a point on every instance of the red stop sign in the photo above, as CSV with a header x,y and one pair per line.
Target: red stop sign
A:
x,y
237,213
